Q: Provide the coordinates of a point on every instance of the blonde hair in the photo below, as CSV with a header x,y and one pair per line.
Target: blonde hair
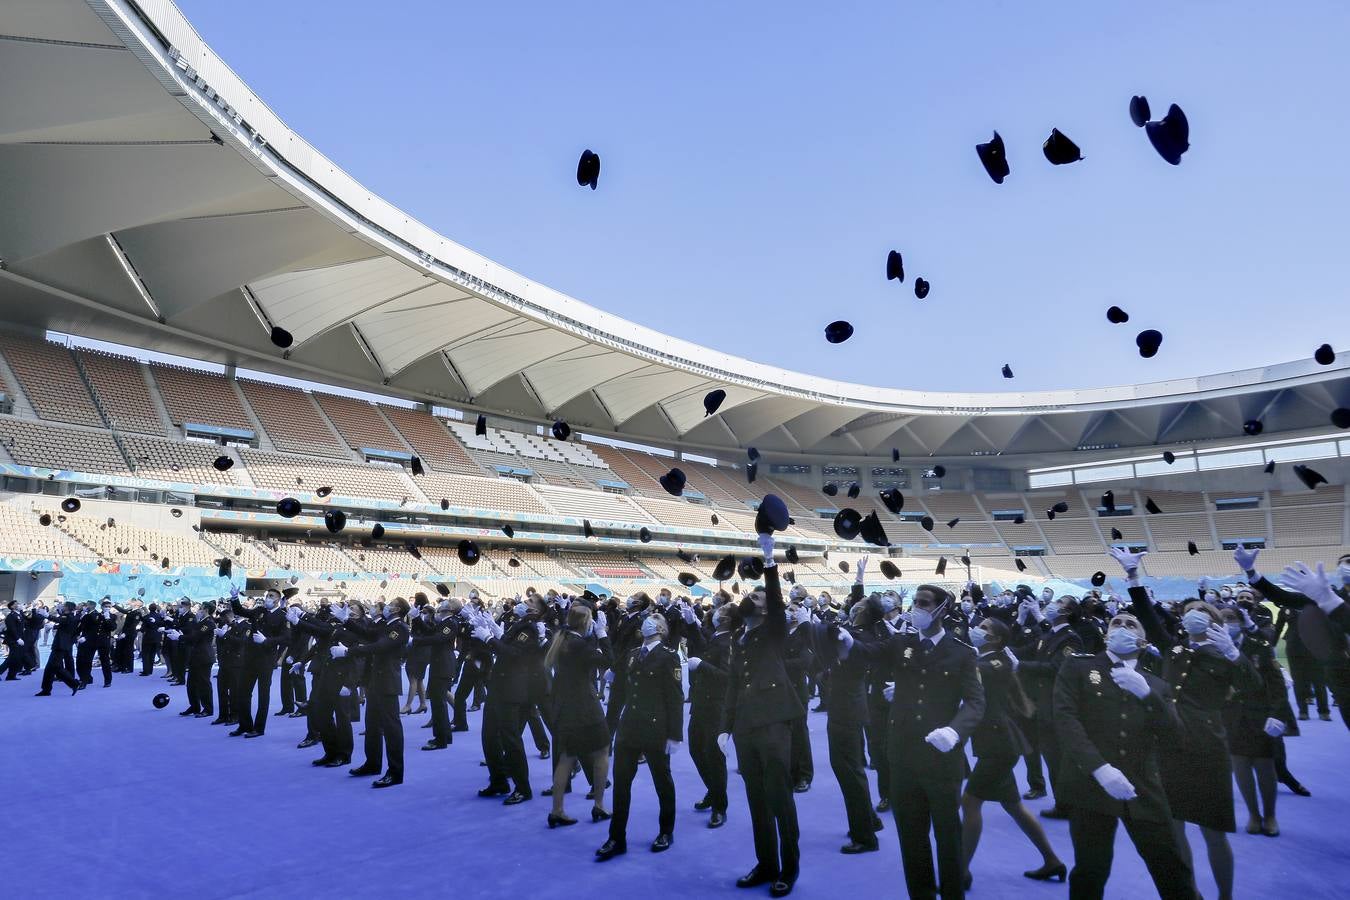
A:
x,y
579,619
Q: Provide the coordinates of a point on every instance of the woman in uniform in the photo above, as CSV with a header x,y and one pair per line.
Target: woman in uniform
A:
x,y
578,651
419,656
997,744
709,662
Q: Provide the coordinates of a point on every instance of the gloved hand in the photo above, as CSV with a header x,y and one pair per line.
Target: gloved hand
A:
x,y
600,630
1113,781
1274,727
287,661
687,613
861,569
766,547
1245,559
609,676
341,613
888,691
1311,583
21,643
1012,658
671,747
1128,679
220,632
1222,641
944,739
482,633
337,651
1128,561
293,614
234,592
258,638
722,740
845,641
79,640
344,692
694,663
539,627
298,669
1247,623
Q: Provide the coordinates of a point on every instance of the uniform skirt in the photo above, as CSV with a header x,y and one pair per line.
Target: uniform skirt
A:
x,y
1247,735
1197,775
419,658
992,779
580,739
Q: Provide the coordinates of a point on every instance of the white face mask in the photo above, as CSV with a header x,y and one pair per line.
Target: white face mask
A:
x,y
967,606
922,619
521,610
390,612
270,602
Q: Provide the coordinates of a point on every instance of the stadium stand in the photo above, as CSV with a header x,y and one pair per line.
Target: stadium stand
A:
x,y
359,423
291,419
300,477
121,389
22,537
186,461
202,398
51,446
247,553
504,494
594,505
129,542
432,441
629,472
49,377
690,515
312,557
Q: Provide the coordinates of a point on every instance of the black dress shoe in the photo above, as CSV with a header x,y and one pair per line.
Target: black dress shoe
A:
x,y
387,781
237,732
322,760
1054,812
475,708
599,815
434,745
252,734
220,721
610,849
1056,872
299,714
201,715
1034,794
662,842
560,821
783,886
283,712
884,805
801,787
1299,789
48,693
854,847
459,727
717,819
704,805
363,772
755,877
495,790
338,762
188,712
516,797
307,742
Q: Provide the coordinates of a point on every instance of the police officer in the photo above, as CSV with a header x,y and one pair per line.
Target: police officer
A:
x,y
625,635
651,724
709,664
800,658
329,716
124,653
59,665
86,641
152,624
518,650
382,643
293,693
1049,638
230,634
474,663
199,639
268,633
105,628
14,640
439,640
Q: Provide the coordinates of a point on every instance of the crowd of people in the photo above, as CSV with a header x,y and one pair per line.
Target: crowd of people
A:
x,y
1128,710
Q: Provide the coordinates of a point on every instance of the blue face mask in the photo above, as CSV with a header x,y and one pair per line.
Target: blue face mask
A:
x,y
979,637
1234,630
1052,612
521,610
650,628
1195,622
1121,641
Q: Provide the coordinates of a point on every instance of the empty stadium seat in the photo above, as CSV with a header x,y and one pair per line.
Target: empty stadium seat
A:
x,y
122,390
51,379
291,420
202,398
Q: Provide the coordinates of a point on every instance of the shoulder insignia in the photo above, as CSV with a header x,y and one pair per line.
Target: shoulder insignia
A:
x,y
909,653
445,630
1082,655
1178,649
1095,677
995,664
676,672
393,634
1068,650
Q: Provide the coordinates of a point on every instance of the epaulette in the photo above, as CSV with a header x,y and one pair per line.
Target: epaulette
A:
x,y
1178,648
1077,655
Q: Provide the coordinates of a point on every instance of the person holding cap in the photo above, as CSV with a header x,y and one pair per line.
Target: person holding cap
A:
x,y
267,635
382,643
709,662
1049,638
200,640
437,638
59,666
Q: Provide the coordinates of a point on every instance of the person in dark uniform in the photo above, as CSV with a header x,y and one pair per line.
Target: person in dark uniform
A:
x,y
438,639
651,724
200,641
510,691
1113,718
625,636
1310,684
579,650
760,709
382,643
293,692
35,621
230,636
176,652
152,624
800,659
124,653
475,662
268,634
105,630
329,713
1256,716
936,702
86,640
709,664
14,640
59,668
422,624
1039,664
876,728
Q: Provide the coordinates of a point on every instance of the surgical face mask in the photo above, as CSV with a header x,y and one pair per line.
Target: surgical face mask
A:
x,y
1195,622
1052,612
270,602
967,606
650,628
1226,593
391,611
521,610
1122,641
922,619
979,637
663,600
1212,596
1344,570
632,604
887,603
1047,595
1234,630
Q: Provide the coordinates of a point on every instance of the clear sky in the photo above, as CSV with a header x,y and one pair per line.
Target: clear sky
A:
x,y
759,160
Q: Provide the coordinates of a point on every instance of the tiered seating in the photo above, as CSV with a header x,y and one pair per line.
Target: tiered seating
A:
x,y
541,564
668,568
1072,535
577,453
289,417
371,591
1308,526
387,561
689,515
1131,529
432,441
489,450
944,506
186,461
731,486
1024,535
594,505
1172,532
446,560
504,494
321,558
246,553
51,380
803,499
606,565
22,537
558,472
55,447
359,423
279,472
121,388
1174,501
138,544
203,398
1241,523
629,472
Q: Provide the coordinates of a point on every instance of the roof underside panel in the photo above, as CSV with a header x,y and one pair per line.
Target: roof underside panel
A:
x,y
627,396
572,373
404,330
310,301
498,353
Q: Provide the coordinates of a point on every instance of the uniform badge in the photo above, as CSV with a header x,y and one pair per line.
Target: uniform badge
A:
x,y
1178,649
676,673
1094,677
393,635
1067,650
995,664
909,653
445,630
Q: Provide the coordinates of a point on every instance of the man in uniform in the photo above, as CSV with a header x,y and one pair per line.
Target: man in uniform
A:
x,y
152,623
268,633
86,641
1054,639
59,666
800,662
441,641
104,630
14,640
200,641
124,653
231,633
293,693
382,643
328,715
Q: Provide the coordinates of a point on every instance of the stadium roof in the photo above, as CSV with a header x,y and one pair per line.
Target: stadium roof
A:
x,y
152,199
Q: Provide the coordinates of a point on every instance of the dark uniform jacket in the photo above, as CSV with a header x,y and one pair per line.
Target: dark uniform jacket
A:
x,y
801,660
438,639
574,701
64,632
384,641
759,689
653,707
998,733
271,624
1041,664
230,645
151,625
708,683
519,661
14,629
200,640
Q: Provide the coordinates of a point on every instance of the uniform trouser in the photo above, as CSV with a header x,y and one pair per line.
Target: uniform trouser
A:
x,y
1049,743
1094,840
823,689
14,662
626,758
58,669
877,726
537,731
503,747
255,674
31,651
469,676
329,716
124,653
384,730
1032,759
199,686
178,660
802,765
763,755
104,651
437,688
227,680
149,650
292,689
708,757
1309,683
84,661
919,804
846,760
617,695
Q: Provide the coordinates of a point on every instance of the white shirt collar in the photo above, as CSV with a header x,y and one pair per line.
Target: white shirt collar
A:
x,y
1129,663
936,637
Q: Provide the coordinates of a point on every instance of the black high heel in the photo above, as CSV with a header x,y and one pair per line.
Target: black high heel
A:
x,y
598,814
1057,872
556,821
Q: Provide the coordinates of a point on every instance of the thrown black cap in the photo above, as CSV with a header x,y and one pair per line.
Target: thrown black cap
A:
x,y
772,515
1270,467
644,535
791,555
838,332
1148,342
323,491
561,430
1151,506
224,567
586,529
71,504
377,531
1007,371
416,463
1059,150
1117,316
1098,578
1116,535
1019,519
1192,549
1109,501
965,561
790,576
588,169
1340,417
1169,457
334,520
921,288
847,523
1050,514
751,471
713,400
1061,507
953,522
223,463
843,565
1309,476
281,337
893,500
890,570
873,532
1324,355
685,556
159,701
941,566
895,266
895,454
1021,566
830,489
853,491
1170,135
443,589
468,552
926,523
994,159
688,579
480,428
715,520
673,481
725,568
175,512
939,471
445,504
513,563
1253,427
288,507
1139,111
751,568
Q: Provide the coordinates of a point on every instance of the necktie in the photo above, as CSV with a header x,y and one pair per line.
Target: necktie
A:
x,y
643,655
925,645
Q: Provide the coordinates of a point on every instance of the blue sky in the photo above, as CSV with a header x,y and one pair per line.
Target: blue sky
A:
x,y
759,160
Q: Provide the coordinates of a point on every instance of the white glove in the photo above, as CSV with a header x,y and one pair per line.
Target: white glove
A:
x,y
694,663
220,632
337,652
888,691
344,692
600,630
1113,781
766,546
861,569
1245,559
1012,658
297,669
722,740
671,747
609,676
846,639
1128,561
21,643
79,640
687,612
234,592
1219,637
482,633
287,661
293,614
1128,679
944,739
1274,727
539,626
258,638
341,613
1312,584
